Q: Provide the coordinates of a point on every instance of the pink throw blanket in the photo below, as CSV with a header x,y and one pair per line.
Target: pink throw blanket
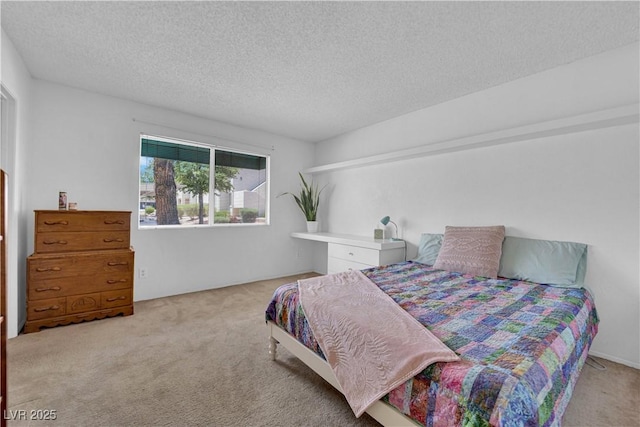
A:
x,y
371,343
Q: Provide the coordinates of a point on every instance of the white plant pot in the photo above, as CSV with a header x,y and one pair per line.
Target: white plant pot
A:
x,y
312,226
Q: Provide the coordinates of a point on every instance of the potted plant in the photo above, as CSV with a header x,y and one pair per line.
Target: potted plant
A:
x,y
308,201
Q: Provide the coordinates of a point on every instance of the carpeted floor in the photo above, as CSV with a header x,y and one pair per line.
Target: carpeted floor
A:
x,y
201,359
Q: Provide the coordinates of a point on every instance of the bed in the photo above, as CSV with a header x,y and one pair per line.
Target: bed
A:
x,y
521,343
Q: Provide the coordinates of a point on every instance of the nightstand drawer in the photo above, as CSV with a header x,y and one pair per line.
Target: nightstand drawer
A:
x,y
336,265
354,253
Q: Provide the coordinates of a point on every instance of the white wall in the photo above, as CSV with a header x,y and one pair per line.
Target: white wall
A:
x,y
580,187
16,80
88,145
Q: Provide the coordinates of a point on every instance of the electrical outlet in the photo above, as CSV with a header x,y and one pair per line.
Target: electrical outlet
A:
x,y
142,273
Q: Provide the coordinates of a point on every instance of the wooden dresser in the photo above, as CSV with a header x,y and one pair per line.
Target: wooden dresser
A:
x,y
81,269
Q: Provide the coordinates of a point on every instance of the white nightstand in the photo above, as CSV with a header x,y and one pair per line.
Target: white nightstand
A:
x,y
347,252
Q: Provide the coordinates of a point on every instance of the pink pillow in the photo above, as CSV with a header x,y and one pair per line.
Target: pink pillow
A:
x,y
471,250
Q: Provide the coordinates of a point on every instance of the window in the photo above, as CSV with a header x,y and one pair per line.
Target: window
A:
x,y
176,185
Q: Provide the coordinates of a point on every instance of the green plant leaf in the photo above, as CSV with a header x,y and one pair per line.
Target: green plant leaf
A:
x,y
308,199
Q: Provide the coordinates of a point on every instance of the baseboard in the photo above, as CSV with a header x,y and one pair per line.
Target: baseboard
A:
x,y
614,359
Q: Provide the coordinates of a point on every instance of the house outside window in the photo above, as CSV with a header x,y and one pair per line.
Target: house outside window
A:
x,y
180,187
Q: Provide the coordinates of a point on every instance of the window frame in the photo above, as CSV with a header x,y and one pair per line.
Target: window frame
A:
x,y
213,148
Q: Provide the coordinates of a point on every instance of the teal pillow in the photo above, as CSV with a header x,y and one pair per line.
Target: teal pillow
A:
x,y
428,248
544,261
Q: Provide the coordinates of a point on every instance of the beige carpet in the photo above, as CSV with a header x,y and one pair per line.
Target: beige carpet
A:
x,y
201,360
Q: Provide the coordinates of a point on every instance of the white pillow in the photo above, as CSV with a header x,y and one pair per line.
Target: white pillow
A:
x,y
428,248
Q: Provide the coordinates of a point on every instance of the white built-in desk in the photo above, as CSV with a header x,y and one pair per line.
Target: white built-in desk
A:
x,y
348,252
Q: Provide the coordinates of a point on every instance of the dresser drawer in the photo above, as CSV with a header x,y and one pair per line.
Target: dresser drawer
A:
x,y
56,221
64,286
81,241
336,265
354,253
116,298
50,266
83,303
46,308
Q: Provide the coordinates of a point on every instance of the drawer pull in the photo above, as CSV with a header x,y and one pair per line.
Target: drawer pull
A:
x,y
53,307
116,298
111,281
113,263
61,222
112,222
351,253
113,240
41,269
53,288
55,242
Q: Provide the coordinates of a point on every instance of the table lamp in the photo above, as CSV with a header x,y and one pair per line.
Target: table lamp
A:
x,y
386,220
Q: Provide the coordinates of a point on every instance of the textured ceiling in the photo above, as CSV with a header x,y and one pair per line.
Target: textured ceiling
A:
x,y
309,70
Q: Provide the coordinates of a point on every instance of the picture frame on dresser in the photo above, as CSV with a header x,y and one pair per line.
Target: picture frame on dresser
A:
x,y
82,268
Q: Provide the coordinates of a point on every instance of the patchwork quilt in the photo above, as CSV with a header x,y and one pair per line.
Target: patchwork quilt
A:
x,y
521,344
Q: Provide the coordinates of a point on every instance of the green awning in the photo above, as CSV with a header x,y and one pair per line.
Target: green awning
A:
x,y
240,160
168,150
191,153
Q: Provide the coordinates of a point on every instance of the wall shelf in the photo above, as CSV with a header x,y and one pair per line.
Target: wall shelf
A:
x,y
618,116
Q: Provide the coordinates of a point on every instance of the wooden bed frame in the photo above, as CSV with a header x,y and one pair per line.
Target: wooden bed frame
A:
x,y
381,411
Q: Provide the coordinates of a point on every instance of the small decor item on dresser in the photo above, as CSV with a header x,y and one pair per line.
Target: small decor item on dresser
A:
x,y
308,201
378,234
62,200
73,206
